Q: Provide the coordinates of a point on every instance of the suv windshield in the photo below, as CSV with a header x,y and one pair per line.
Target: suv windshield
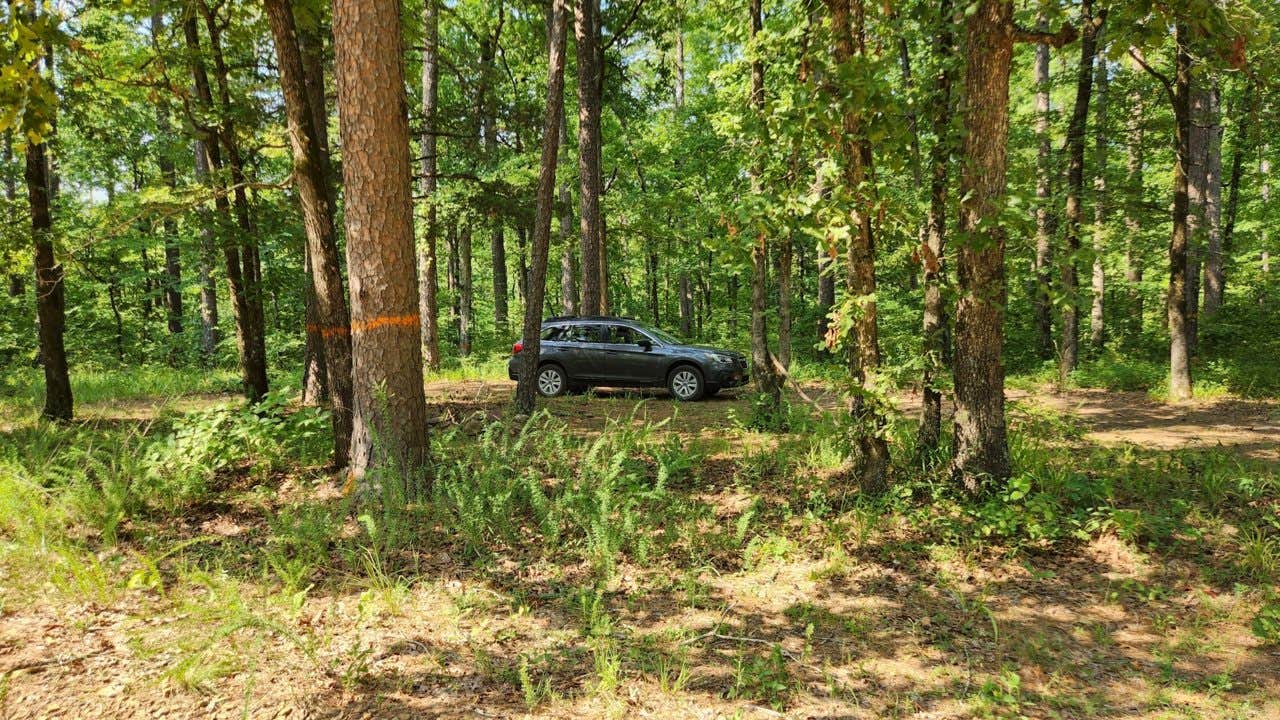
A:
x,y
661,336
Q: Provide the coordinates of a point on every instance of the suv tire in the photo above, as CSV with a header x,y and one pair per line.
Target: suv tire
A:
x,y
551,381
686,384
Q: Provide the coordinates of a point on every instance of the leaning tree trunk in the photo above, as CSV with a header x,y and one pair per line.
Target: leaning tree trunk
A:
x,y
586,31
1069,348
933,250
311,179
525,387
429,289
50,287
390,420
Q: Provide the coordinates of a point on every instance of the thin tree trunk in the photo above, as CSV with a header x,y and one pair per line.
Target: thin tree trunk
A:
x,y
569,298
786,255
252,372
1201,180
17,283
311,179
848,21
1133,268
209,335
429,288
466,297
172,255
50,287
1242,144
586,31
1098,284
1177,299
526,386
1213,206
766,378
929,434
390,415
1045,218
1069,346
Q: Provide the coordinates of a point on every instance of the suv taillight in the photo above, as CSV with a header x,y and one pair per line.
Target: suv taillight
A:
x,y
515,349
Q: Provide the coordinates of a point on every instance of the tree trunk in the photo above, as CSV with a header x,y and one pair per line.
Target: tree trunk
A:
x,y
526,386
586,30
569,298
312,182
1098,284
17,283
1069,348
1242,144
933,251
1204,189
1177,300
251,272
390,427
1045,219
848,22
429,288
50,288
766,379
172,255
786,254
466,290
1133,268
252,365
981,446
1213,206
209,335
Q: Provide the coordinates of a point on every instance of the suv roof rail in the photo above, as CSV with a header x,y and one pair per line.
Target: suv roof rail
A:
x,y
607,318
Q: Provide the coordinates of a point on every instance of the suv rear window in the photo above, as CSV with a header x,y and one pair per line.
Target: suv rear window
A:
x,y
580,333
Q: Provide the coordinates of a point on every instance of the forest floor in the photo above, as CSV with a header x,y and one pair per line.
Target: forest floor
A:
x,y
802,621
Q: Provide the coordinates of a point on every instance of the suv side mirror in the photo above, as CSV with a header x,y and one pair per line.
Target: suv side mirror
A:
x,y
645,343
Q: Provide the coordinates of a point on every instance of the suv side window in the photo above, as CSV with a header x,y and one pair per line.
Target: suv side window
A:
x,y
621,335
554,334
581,334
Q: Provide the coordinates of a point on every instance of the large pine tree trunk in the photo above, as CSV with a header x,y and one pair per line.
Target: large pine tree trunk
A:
x,y
1098,284
390,425
1044,204
1069,345
981,445
526,387
429,288
932,252
586,30
311,177
50,288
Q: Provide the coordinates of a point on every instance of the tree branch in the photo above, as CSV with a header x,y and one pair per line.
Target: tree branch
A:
x,y
1065,35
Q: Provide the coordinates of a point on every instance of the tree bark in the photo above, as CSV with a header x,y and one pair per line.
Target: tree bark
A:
x,y
1133,268
1213,206
1203,176
1177,301
311,179
1069,345
767,382
390,414
526,385
932,253
1045,219
429,289
569,297
50,287
466,294
172,255
981,445
209,333
848,21
252,365
1101,201
586,31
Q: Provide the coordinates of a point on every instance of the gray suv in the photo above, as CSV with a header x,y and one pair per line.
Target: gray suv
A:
x,y
579,352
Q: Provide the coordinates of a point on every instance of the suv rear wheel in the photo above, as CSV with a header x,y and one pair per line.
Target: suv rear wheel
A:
x,y
686,383
551,381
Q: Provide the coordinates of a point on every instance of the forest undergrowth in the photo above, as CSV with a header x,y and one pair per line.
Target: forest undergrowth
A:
x,y
619,553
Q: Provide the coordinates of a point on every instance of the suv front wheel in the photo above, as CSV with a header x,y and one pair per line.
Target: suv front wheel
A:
x,y
685,383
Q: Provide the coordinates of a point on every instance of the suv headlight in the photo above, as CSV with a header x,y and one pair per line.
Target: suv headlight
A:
x,y
722,359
